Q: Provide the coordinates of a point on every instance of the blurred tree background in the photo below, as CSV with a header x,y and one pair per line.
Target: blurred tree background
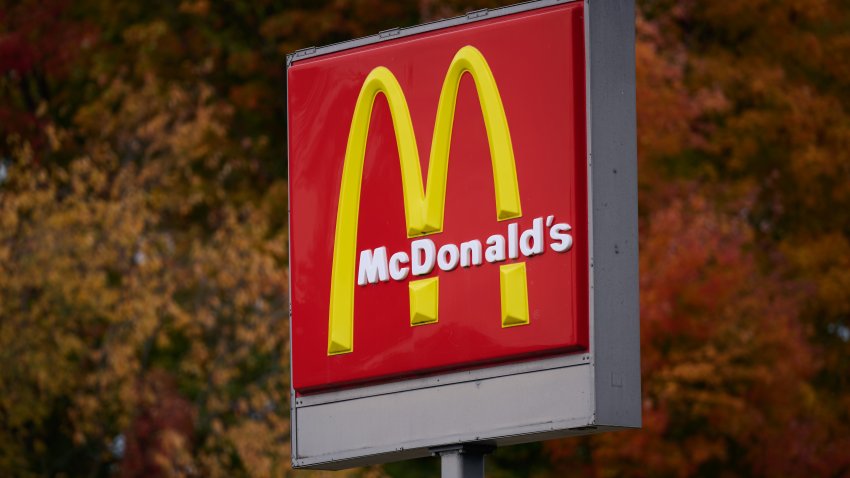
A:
x,y
143,253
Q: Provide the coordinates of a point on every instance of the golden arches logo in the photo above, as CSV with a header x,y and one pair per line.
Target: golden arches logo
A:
x,y
424,207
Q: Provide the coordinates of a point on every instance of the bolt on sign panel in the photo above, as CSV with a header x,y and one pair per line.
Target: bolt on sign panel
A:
x,y
439,214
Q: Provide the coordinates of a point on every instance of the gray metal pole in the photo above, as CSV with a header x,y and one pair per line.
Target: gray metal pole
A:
x,y
463,460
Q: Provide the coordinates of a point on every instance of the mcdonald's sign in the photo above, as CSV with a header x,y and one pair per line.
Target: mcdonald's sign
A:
x,y
441,212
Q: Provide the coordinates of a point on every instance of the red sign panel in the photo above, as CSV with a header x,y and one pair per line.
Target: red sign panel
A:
x,y
438,198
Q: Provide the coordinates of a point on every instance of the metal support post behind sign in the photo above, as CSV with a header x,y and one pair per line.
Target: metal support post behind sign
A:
x,y
463,460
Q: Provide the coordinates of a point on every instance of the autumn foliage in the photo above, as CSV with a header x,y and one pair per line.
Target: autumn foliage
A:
x,y
143,263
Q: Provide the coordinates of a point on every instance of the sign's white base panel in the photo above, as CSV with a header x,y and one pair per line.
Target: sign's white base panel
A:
x,y
515,408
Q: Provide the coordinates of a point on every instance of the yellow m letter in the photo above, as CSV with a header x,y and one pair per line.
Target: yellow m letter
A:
x,y
424,207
